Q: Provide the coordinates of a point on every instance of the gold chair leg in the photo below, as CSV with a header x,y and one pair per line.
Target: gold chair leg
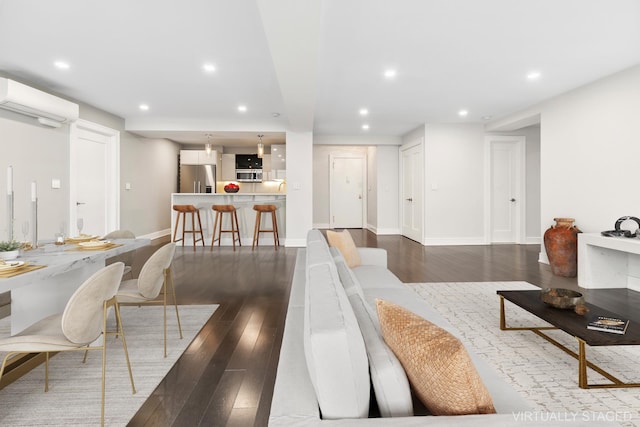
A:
x,y
104,358
120,331
175,301
46,372
164,299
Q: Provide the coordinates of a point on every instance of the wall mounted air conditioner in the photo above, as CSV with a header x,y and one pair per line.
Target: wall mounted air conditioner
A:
x,y
48,109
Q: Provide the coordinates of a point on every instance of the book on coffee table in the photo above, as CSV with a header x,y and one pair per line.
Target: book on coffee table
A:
x,y
608,324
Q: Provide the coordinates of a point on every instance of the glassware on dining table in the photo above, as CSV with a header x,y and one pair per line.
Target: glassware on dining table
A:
x,y
80,224
25,230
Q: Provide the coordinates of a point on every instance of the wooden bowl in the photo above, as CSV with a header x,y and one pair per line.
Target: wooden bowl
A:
x,y
561,298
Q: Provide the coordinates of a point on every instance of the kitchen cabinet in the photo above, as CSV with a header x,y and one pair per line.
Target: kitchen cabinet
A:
x,y
198,157
278,161
228,167
266,167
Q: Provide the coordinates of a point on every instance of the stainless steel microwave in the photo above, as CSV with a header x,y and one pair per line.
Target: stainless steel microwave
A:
x,y
249,175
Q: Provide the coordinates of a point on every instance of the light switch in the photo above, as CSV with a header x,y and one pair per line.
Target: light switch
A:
x,y
127,186
434,187
296,185
55,183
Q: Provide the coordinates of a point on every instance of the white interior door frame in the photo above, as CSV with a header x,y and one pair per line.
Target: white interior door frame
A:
x,y
411,145
520,196
113,172
348,155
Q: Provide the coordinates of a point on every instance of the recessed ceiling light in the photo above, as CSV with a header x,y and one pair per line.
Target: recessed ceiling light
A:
x,y
365,127
242,108
390,74
487,117
273,148
274,114
144,107
209,68
463,113
534,75
62,65
363,111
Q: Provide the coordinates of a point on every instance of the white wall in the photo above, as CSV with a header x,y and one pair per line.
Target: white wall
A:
x,y
387,172
454,176
300,182
372,188
590,152
151,167
42,154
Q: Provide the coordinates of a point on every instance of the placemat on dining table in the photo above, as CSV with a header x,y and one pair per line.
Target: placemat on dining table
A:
x,y
99,248
21,270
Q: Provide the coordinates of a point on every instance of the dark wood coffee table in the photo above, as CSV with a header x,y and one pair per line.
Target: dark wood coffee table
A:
x,y
575,325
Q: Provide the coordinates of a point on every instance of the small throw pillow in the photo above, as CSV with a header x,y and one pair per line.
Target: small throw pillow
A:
x,y
437,364
344,242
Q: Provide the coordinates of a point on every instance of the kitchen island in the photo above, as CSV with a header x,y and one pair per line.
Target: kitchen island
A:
x,y
246,215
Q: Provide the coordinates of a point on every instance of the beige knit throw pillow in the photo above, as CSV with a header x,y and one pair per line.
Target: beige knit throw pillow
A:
x,y
345,244
439,368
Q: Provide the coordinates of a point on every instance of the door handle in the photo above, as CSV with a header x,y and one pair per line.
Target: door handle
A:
x,y
360,196
409,199
80,203
512,200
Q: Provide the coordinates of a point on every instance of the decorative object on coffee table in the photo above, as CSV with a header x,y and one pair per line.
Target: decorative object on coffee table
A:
x,y
561,244
561,298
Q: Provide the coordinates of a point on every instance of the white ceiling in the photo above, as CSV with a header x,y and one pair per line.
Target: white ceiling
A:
x,y
315,62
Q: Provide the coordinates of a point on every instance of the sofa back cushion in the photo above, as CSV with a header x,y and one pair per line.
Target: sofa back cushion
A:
x,y
333,345
389,380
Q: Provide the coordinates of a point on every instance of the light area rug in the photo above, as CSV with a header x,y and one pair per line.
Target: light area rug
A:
x,y
74,388
546,376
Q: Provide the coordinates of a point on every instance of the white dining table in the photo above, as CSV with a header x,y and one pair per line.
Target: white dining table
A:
x,y
40,293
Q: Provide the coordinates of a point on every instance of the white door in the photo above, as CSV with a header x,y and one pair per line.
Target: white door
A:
x,y
347,191
506,192
94,177
411,184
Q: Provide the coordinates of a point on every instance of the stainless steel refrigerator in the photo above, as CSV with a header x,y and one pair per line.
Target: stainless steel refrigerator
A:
x,y
197,178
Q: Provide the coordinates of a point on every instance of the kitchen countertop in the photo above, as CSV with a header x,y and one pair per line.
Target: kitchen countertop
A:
x,y
229,194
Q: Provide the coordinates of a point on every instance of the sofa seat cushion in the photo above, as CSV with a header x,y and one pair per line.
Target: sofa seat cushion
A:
x,y
375,276
437,364
389,380
334,348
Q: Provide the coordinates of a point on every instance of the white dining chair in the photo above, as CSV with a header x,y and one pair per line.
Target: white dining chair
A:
x,y
77,328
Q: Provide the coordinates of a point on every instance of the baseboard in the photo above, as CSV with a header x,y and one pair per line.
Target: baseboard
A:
x,y
383,231
321,226
542,258
533,241
157,234
296,243
454,241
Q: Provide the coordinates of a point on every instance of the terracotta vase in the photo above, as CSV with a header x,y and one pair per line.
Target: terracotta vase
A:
x,y
561,244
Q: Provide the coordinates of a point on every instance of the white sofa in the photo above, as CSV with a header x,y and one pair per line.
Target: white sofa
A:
x,y
321,366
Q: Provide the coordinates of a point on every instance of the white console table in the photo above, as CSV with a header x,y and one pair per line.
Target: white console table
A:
x,y
608,262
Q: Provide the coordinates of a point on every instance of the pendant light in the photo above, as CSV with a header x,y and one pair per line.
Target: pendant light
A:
x,y
207,147
260,147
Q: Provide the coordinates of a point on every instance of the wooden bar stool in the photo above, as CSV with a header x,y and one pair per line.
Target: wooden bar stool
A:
x,y
183,210
260,209
235,229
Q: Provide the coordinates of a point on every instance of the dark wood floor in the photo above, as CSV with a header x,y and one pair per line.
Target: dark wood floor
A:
x,y
226,375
